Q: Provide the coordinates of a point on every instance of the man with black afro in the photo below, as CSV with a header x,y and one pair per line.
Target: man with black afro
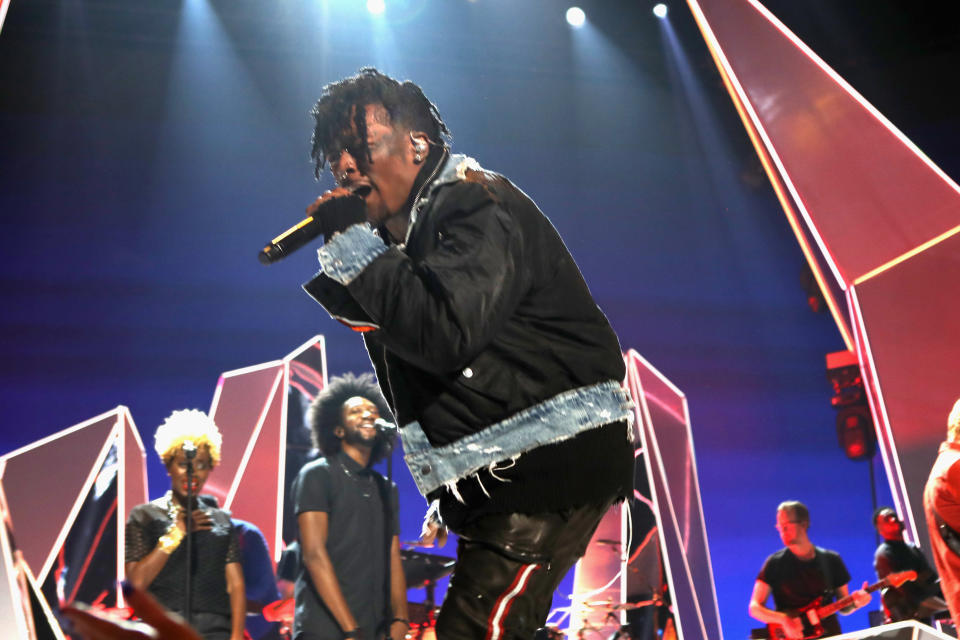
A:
x,y
350,580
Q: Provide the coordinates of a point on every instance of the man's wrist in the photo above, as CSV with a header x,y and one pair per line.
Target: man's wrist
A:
x,y
353,633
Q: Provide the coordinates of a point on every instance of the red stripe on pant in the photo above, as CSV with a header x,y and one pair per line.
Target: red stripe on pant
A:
x,y
502,606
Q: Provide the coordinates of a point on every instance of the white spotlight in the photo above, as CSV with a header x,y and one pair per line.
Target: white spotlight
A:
x,y
576,17
376,7
660,11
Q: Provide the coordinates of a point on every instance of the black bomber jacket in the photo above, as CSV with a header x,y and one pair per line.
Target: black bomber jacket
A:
x,y
480,315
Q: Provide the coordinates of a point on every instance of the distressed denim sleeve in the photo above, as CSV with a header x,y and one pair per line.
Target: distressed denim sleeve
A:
x,y
349,253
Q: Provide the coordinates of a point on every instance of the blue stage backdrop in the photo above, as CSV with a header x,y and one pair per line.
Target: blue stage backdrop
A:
x,y
149,149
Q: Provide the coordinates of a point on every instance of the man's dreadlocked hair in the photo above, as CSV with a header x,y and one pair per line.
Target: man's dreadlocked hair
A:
x,y
334,112
326,412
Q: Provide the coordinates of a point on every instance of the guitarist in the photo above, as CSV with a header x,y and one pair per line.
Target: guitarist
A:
x,y
798,575
916,599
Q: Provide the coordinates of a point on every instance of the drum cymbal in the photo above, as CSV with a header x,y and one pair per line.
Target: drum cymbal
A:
x,y
609,605
421,568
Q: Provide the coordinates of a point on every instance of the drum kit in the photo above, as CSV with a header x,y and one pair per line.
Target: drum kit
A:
x,y
421,570
424,570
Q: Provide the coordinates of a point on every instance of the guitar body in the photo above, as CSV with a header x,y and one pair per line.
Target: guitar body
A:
x,y
812,624
813,614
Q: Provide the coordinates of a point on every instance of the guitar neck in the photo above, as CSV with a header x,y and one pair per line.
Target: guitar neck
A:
x,y
846,601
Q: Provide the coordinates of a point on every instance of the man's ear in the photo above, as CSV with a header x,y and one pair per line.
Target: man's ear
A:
x,y
338,431
420,142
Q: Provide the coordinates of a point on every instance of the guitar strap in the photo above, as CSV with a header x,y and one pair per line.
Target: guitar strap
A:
x,y
829,591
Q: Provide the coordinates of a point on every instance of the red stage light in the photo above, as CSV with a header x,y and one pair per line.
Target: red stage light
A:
x,y
855,432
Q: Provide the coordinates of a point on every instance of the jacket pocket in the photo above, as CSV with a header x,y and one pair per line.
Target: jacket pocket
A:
x,y
489,377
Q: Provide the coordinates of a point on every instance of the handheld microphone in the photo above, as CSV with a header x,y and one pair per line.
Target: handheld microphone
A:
x,y
291,240
189,449
385,427
331,216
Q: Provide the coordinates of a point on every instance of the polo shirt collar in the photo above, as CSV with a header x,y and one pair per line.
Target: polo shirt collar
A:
x,y
351,465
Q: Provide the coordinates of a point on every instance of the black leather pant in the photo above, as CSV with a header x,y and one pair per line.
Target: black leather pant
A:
x,y
508,566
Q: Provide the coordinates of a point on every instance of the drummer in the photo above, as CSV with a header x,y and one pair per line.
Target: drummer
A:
x,y
349,581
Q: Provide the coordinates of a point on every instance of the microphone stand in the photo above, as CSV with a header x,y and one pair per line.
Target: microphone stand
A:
x,y
188,582
391,442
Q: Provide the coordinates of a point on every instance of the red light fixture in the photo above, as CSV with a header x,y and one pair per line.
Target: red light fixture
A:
x,y
855,431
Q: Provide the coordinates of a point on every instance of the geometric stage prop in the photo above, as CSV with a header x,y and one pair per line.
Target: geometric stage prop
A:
x,y
877,220
65,499
65,502
260,410
648,564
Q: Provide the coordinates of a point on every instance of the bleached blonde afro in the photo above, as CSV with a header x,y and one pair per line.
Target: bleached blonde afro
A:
x,y
183,425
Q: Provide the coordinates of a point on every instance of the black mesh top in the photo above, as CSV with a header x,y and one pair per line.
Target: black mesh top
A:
x,y
212,551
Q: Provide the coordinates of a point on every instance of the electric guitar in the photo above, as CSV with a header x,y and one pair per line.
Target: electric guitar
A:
x,y
813,613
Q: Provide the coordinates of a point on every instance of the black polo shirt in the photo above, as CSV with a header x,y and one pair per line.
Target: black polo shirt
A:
x,y
357,542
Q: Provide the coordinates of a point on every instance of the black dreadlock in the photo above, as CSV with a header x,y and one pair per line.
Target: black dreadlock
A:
x,y
326,412
341,120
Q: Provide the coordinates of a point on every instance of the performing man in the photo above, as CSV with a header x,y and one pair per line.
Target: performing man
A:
x,y
798,574
941,504
156,558
350,580
503,373
915,599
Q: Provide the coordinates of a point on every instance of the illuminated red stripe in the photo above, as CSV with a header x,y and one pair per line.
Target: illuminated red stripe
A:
x,y
93,549
502,606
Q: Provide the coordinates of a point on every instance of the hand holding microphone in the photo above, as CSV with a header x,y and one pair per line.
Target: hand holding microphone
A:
x,y
338,209
331,213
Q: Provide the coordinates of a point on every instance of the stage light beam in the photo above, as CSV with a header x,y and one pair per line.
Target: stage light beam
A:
x,y
576,17
376,7
660,10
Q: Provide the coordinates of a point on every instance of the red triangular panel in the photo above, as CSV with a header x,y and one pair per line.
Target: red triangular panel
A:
x,y
239,403
52,472
855,176
258,492
134,485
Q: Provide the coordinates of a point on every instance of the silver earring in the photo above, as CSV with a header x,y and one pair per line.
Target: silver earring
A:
x,y
343,177
419,149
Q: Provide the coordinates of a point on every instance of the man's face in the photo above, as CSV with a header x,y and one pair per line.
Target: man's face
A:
x,y
357,423
888,525
385,181
177,470
791,530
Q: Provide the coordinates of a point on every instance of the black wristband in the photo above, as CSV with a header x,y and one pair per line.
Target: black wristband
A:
x,y
353,633
403,620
